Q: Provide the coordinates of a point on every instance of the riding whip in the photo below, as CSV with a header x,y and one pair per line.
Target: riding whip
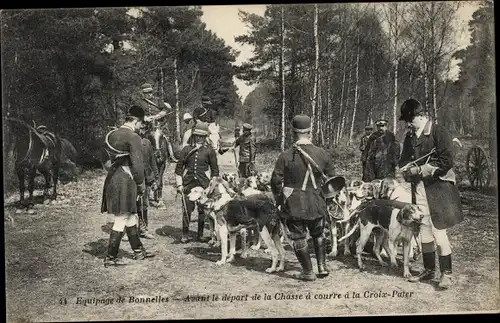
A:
x,y
414,163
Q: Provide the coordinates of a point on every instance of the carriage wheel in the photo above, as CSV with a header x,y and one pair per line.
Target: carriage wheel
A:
x,y
478,167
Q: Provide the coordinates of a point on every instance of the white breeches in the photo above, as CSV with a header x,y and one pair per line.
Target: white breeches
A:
x,y
429,234
125,220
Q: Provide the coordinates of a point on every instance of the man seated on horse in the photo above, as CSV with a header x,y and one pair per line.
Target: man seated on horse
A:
x,y
205,111
151,180
124,184
200,114
155,110
191,171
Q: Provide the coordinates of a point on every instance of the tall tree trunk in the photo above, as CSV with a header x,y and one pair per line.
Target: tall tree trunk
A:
x,y
282,69
372,80
337,137
316,71
177,112
356,89
346,108
395,106
329,125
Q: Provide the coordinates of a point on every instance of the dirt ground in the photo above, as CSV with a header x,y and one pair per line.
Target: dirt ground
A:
x,y
54,269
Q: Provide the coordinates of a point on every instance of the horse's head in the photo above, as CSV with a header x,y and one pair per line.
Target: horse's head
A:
x,y
214,135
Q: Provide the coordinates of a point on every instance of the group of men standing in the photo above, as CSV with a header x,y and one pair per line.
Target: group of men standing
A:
x,y
302,202
297,181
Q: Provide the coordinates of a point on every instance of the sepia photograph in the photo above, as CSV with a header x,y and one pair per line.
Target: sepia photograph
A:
x,y
250,161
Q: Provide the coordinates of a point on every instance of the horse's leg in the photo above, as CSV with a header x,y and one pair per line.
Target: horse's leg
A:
x,y
46,175
20,177
160,180
55,178
31,183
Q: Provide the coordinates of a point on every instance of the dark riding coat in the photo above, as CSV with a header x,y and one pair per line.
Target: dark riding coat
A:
x,y
442,194
194,163
382,155
288,177
150,168
120,186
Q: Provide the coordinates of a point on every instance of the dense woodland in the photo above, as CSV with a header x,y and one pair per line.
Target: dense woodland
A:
x,y
349,64
77,70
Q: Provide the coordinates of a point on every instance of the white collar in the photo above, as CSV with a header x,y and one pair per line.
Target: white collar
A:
x,y
304,141
420,130
128,127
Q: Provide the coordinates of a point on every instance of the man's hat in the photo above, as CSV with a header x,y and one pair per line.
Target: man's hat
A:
x,y
136,111
409,109
301,123
247,126
236,127
187,116
147,88
205,100
381,123
201,129
369,127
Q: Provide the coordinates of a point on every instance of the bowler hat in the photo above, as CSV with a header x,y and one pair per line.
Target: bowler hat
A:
x,y
332,186
247,126
136,111
201,129
381,123
301,123
146,88
409,109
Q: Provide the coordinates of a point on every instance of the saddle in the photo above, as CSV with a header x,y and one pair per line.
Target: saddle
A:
x,y
48,138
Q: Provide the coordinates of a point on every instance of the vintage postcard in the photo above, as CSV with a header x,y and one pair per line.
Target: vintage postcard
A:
x,y
250,161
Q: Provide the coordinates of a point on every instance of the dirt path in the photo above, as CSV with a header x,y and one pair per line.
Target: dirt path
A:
x,y
54,265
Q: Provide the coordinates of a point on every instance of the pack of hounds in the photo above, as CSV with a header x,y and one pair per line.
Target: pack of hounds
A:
x,y
380,211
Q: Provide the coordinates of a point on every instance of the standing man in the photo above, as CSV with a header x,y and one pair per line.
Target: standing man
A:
x,y
155,110
363,145
124,184
246,166
191,171
236,132
296,187
383,153
433,187
151,175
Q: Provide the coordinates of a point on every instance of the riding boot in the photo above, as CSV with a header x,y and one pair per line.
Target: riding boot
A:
x,y
136,244
111,259
201,226
186,219
319,249
171,155
427,274
445,281
143,226
302,253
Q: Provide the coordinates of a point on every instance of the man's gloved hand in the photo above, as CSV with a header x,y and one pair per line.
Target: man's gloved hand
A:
x,y
427,170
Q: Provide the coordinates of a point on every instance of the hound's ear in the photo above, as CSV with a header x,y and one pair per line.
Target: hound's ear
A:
x,y
404,213
399,216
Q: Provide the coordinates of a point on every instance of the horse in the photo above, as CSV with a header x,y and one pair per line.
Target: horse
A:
x,y
160,147
34,151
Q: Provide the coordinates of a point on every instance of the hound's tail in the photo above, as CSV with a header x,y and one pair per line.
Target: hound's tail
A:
x,y
350,232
